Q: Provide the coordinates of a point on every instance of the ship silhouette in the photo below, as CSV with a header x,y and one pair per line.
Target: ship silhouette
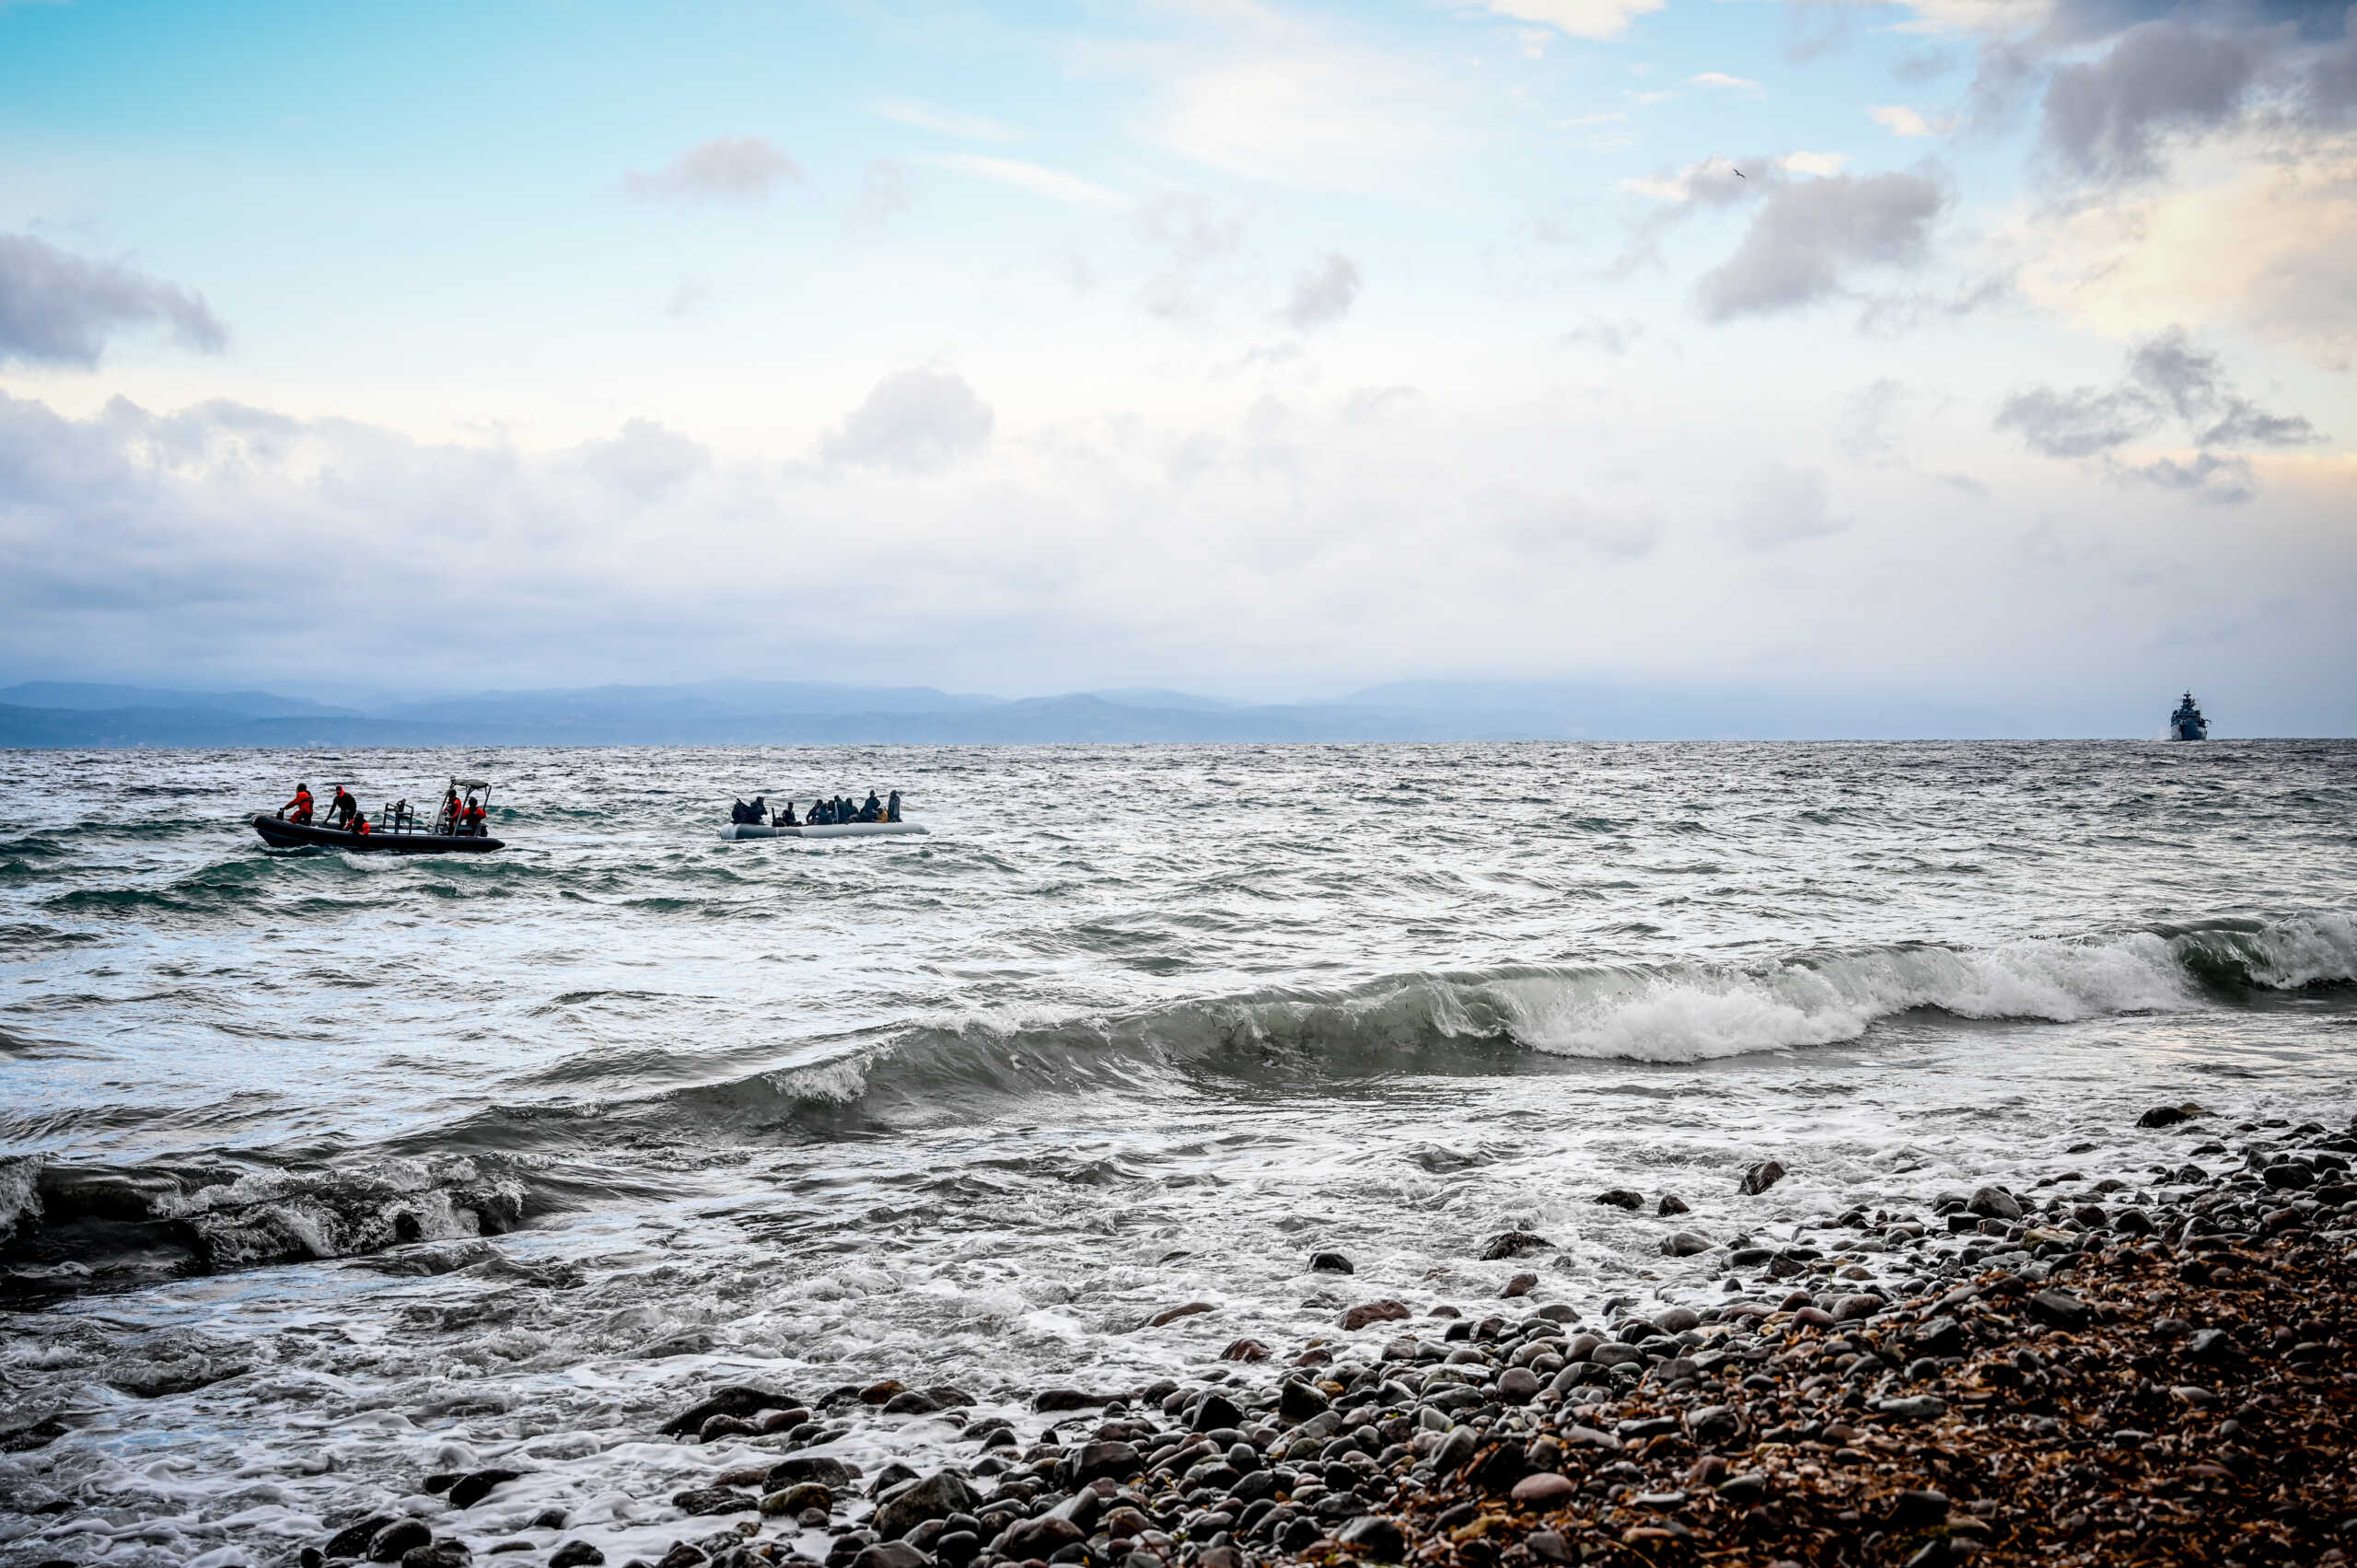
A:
x,y
2187,723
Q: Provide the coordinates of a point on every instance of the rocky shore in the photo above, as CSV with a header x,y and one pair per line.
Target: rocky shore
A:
x,y
2147,1367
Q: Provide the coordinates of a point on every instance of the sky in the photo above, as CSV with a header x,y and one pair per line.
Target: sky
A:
x,y
1994,349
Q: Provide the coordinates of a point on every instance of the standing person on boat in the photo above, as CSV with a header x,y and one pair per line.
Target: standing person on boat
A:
x,y
874,811
445,821
342,809
892,808
300,806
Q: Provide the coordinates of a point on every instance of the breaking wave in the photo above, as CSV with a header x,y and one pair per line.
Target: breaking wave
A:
x,y
1518,1019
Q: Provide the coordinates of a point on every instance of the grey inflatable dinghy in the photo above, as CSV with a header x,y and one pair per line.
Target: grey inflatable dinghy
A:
x,y
821,831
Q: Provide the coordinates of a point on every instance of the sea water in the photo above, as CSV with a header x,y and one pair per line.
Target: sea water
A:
x,y
320,1172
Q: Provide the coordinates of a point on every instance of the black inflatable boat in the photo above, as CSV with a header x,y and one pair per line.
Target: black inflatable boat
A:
x,y
396,829
279,833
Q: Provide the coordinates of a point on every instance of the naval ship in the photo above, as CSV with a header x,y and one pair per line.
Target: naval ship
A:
x,y
2187,723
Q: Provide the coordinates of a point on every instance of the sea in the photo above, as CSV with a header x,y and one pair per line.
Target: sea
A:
x,y
322,1173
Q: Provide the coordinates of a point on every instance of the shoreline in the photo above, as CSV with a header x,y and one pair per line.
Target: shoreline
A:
x,y
2094,1371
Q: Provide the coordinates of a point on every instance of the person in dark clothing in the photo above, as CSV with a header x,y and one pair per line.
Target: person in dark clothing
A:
x,y
843,808
299,808
470,819
874,811
447,820
784,819
342,809
892,808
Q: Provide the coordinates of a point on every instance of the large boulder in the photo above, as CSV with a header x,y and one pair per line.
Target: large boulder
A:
x,y
738,1399
1374,1312
1512,1244
796,1468
937,1496
1760,1177
1994,1203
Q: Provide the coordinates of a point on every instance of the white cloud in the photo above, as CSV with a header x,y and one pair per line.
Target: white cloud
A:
x,y
1781,506
948,122
1311,115
1600,19
728,168
1323,292
1813,163
916,422
1901,121
1733,84
1052,183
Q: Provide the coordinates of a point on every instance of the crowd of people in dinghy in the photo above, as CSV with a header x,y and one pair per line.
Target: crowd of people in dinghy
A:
x,y
822,813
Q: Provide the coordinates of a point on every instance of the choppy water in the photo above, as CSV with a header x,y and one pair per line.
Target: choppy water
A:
x,y
1134,1026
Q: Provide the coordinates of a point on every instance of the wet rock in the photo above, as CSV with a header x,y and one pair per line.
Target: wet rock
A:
x,y
1331,1263
956,1548
1374,1312
908,1401
1676,1319
890,1555
1546,1546
937,1496
1375,1538
1212,1413
1518,1386
1712,1423
1455,1449
388,1544
1245,1350
1297,1403
1049,1401
1994,1203
1747,1490
1621,1198
1512,1244
444,1553
1106,1462
473,1487
798,1467
354,1538
1028,1539
1919,1510
1684,1244
2170,1115
1914,1407
738,1399
2061,1309
710,1500
2212,1345
1852,1308
793,1502
575,1554
1172,1314
1760,1177
1521,1285
1670,1204
1544,1490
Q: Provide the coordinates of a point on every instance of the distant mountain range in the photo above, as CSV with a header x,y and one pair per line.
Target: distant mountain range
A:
x,y
712,713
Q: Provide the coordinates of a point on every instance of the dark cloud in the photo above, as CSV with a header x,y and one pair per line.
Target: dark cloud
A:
x,y
915,422
1323,291
727,168
2104,117
2081,423
60,308
1809,235
2168,379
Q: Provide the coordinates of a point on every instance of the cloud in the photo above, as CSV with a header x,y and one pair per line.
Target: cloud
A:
x,y
1782,505
1721,79
948,122
60,308
688,297
1808,237
1314,114
1900,121
884,194
2103,117
1813,163
1600,19
1866,435
2167,380
915,422
1193,237
1052,183
727,168
1541,525
1323,291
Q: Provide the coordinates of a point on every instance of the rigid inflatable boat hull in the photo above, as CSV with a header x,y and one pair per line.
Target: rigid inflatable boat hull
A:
x,y
823,830
279,833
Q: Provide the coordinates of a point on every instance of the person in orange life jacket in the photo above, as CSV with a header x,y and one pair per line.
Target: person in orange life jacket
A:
x,y
474,815
360,826
447,821
300,806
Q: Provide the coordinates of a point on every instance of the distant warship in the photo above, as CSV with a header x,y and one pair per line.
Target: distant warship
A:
x,y
2187,723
